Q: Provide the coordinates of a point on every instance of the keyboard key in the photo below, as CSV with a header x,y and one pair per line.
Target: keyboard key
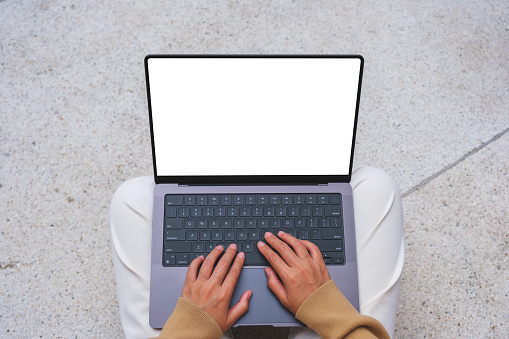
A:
x,y
256,211
182,259
217,235
281,211
292,211
238,200
268,211
192,235
298,199
174,200
262,223
311,199
323,199
190,200
305,211
255,259
317,211
171,223
226,200
213,200
287,199
175,235
214,223
333,233
239,223
332,211
204,235
263,200
323,222
253,235
177,246
225,223
274,199
170,212
198,247
245,211
247,247
241,235
330,245
195,211
251,200
336,222
184,212
220,211
315,234
335,199
202,223
300,223
170,259
229,235
232,212
250,223
201,200
190,223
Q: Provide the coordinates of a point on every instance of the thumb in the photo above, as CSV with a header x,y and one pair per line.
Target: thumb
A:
x,y
239,309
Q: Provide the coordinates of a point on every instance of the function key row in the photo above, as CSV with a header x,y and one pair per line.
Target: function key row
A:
x,y
252,199
253,211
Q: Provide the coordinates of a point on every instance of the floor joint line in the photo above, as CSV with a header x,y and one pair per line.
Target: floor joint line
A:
x,y
460,160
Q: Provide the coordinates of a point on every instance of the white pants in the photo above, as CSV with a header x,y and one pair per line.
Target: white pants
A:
x,y
380,250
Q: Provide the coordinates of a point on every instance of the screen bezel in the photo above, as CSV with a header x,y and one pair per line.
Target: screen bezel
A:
x,y
251,179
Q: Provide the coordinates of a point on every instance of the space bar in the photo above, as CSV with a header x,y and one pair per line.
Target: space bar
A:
x,y
255,259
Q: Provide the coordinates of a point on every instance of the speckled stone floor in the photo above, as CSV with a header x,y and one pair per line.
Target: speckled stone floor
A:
x,y
73,126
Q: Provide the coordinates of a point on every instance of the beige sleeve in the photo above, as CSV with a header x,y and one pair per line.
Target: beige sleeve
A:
x,y
190,321
330,314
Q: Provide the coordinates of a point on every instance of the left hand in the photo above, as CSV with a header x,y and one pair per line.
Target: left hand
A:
x,y
212,289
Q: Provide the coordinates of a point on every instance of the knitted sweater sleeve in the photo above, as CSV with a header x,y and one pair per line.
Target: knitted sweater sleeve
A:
x,y
190,321
327,312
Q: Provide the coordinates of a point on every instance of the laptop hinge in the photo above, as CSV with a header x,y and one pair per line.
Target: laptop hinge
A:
x,y
259,184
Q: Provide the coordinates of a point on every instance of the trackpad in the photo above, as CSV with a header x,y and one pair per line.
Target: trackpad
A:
x,y
264,307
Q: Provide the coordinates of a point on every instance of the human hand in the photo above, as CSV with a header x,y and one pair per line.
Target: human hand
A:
x,y
212,289
300,267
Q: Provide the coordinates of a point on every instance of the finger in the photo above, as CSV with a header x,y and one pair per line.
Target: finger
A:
x,y
314,251
276,286
283,249
233,275
223,264
239,309
298,247
192,273
208,263
272,257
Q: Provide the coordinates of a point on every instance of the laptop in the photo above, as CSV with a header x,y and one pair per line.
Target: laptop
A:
x,y
242,145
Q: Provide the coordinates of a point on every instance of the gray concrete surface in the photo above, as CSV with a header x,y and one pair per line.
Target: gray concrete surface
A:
x,y
73,126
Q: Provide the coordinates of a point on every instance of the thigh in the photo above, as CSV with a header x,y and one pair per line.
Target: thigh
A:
x,y
131,232
380,247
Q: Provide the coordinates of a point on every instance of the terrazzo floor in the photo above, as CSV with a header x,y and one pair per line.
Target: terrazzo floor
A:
x,y
74,125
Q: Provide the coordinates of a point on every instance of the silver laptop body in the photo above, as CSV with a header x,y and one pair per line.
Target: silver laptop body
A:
x,y
229,125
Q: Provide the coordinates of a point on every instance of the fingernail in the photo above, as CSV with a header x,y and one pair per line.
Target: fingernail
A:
x,y
233,246
268,234
241,255
280,233
219,247
261,244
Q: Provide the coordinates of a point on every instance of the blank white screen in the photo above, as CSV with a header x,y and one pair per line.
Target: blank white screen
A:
x,y
253,116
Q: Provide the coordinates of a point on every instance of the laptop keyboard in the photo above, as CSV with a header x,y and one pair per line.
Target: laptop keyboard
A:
x,y
195,224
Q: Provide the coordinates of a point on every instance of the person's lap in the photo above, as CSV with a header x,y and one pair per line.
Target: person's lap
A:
x,y
379,233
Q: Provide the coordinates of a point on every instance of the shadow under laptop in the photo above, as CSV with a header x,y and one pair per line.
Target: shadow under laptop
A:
x,y
256,332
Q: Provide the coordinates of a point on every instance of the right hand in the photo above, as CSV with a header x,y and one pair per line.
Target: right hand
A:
x,y
298,263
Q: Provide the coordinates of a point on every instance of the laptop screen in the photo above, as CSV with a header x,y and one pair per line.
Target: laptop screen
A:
x,y
253,115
